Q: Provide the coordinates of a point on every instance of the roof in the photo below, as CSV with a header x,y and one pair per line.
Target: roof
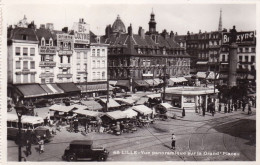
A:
x,y
61,108
87,112
92,105
142,109
82,142
166,105
125,100
45,33
25,119
130,113
115,115
111,104
19,32
118,25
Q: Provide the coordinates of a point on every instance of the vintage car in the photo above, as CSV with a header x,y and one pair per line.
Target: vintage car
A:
x,y
31,129
83,149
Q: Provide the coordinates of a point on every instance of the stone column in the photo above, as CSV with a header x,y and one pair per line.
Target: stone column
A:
x,y
206,103
232,79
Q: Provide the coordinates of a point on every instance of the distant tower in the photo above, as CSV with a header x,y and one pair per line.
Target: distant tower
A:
x,y
152,24
220,21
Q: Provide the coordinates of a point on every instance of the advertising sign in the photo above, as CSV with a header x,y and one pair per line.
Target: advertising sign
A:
x,y
65,41
47,63
242,37
47,49
81,33
65,52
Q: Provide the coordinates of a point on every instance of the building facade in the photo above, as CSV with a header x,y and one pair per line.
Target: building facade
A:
x,y
135,58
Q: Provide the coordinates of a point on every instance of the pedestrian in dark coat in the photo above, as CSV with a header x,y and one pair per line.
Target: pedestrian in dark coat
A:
x,y
225,108
249,109
28,148
235,106
173,141
219,108
244,106
239,104
183,112
203,111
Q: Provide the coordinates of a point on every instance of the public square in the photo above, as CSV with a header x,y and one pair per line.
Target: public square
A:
x,y
224,137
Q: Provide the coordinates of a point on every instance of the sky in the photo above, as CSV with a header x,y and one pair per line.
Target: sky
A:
x,y
178,18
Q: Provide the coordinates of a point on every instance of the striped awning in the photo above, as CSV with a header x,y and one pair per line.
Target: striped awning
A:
x,y
52,88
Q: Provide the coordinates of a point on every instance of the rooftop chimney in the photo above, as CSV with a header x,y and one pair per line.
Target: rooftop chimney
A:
x,y
130,30
141,32
65,29
171,34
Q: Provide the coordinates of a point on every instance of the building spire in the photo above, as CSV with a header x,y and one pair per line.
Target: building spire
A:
x,y
220,21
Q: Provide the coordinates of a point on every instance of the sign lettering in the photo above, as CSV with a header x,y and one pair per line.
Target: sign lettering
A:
x,y
81,33
242,37
47,50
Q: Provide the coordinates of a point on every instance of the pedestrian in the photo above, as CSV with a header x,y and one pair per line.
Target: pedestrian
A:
x,y
235,106
173,141
243,105
228,107
183,112
76,124
48,118
28,148
219,108
203,111
41,146
225,108
249,108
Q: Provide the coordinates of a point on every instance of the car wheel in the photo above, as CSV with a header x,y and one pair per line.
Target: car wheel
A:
x,y
71,158
101,158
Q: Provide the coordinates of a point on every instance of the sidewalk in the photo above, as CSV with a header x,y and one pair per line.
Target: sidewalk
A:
x,y
196,117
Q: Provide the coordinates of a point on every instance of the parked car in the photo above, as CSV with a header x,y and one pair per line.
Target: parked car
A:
x,y
83,149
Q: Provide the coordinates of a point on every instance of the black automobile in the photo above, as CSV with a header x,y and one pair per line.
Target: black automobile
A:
x,y
83,149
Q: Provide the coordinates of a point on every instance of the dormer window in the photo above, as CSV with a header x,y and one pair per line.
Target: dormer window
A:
x,y
43,42
25,37
51,42
98,39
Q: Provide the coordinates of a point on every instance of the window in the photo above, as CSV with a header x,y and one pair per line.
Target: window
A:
x,y
85,55
32,78
252,58
240,58
32,51
78,66
18,64
103,64
253,50
103,52
43,81
68,59
24,37
51,58
98,75
25,51
25,64
51,42
43,42
246,58
78,55
93,52
61,59
25,78
94,63
98,52
240,49
18,78
32,64
94,75
103,75
51,80
18,51
240,66
98,64
247,49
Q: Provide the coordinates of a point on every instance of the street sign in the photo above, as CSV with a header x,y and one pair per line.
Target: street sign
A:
x,y
242,37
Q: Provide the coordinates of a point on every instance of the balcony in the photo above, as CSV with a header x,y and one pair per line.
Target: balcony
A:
x,y
46,75
67,75
47,63
64,65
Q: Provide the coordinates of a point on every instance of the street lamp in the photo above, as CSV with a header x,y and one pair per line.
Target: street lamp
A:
x,y
20,108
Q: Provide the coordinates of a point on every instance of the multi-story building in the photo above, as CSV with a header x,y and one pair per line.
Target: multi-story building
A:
x,y
47,53
137,60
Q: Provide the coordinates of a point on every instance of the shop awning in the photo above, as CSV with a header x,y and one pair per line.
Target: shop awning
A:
x,y
141,100
144,110
68,87
126,101
159,81
201,74
25,119
123,83
112,82
151,82
166,105
157,95
130,113
211,76
61,108
202,62
31,90
52,89
111,104
92,105
141,83
115,115
87,112
182,79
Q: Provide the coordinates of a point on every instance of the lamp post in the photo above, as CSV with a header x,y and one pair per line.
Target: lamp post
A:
x,y
164,78
19,110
